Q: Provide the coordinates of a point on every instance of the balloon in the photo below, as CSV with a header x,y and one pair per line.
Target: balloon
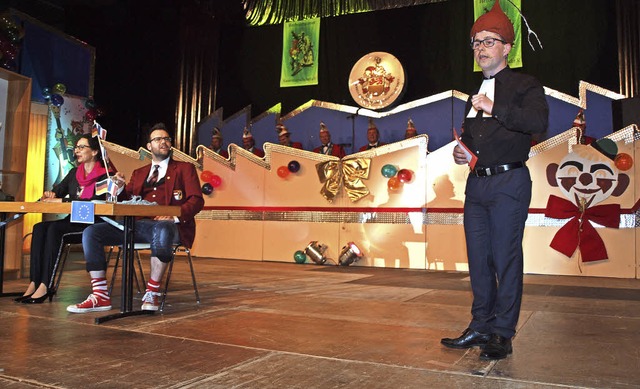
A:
x,y
394,183
90,103
206,176
405,175
57,100
46,93
59,89
623,161
300,257
207,188
293,166
90,115
283,171
215,180
389,171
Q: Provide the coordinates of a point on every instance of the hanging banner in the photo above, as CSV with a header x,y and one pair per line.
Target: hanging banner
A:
x,y
67,123
480,7
300,53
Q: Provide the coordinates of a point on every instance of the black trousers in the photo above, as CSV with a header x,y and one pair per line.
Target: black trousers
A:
x,y
45,245
495,211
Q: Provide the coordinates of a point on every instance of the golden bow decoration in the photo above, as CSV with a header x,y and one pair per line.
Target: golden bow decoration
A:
x,y
348,173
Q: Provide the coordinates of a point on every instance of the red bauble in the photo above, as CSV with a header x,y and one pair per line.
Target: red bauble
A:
x,y
206,176
405,175
215,180
623,161
283,171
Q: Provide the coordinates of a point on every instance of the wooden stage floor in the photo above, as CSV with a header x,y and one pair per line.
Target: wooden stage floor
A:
x,y
285,325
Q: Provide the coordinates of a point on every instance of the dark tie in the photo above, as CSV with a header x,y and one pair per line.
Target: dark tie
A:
x,y
154,176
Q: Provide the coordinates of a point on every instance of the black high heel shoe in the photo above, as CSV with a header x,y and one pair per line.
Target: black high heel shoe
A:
x,y
37,300
22,298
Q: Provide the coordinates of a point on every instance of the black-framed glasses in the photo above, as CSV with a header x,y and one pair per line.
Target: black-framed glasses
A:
x,y
159,139
487,42
81,147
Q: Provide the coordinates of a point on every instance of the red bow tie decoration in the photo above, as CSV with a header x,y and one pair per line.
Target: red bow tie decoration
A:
x,y
579,232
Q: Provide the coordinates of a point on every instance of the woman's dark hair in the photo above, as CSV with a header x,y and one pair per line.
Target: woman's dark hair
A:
x,y
94,144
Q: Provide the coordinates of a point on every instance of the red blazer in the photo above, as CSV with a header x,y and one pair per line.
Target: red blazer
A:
x,y
366,147
296,145
222,153
336,150
258,152
182,187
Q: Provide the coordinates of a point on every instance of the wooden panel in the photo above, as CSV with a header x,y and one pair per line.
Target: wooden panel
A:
x,y
15,159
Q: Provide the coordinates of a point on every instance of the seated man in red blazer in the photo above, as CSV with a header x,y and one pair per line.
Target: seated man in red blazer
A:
x,y
411,131
284,137
167,182
216,143
373,137
327,147
249,143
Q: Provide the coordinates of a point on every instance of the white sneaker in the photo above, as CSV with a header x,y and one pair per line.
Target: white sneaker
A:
x,y
150,301
93,303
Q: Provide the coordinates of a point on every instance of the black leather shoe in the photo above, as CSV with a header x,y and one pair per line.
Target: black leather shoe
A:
x,y
22,298
497,348
37,300
468,339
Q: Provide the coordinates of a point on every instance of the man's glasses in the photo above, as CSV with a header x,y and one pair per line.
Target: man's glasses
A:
x,y
81,147
159,139
487,42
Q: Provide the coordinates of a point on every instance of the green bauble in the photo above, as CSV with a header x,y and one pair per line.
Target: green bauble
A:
x,y
300,256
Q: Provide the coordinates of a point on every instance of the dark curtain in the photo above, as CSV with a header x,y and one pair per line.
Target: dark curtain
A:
x,y
199,41
628,17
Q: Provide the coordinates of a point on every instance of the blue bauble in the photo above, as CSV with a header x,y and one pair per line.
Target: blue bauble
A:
x,y
207,188
293,166
389,171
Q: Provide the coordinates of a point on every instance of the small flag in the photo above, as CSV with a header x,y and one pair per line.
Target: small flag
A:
x,y
97,130
82,212
112,188
102,187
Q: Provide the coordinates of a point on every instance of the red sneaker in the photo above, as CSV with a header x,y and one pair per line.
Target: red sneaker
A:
x,y
93,303
150,301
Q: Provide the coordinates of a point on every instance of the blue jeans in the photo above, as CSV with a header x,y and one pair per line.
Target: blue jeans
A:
x,y
161,234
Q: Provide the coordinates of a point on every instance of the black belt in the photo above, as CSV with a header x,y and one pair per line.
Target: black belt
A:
x,y
493,170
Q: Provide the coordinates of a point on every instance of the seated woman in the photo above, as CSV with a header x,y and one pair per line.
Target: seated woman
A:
x,y
78,184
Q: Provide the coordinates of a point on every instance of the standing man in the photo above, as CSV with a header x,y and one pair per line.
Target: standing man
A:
x,y
508,108
166,182
373,137
327,147
284,137
249,143
216,143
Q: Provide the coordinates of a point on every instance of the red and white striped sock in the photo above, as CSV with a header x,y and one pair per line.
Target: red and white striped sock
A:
x,y
153,286
99,286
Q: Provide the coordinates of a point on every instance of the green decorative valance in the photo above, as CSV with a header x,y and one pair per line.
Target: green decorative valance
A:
x,y
264,12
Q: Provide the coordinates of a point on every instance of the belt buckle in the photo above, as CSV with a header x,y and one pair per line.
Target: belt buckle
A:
x,y
487,171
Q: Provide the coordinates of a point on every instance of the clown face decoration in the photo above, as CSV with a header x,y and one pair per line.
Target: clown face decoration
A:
x,y
587,176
